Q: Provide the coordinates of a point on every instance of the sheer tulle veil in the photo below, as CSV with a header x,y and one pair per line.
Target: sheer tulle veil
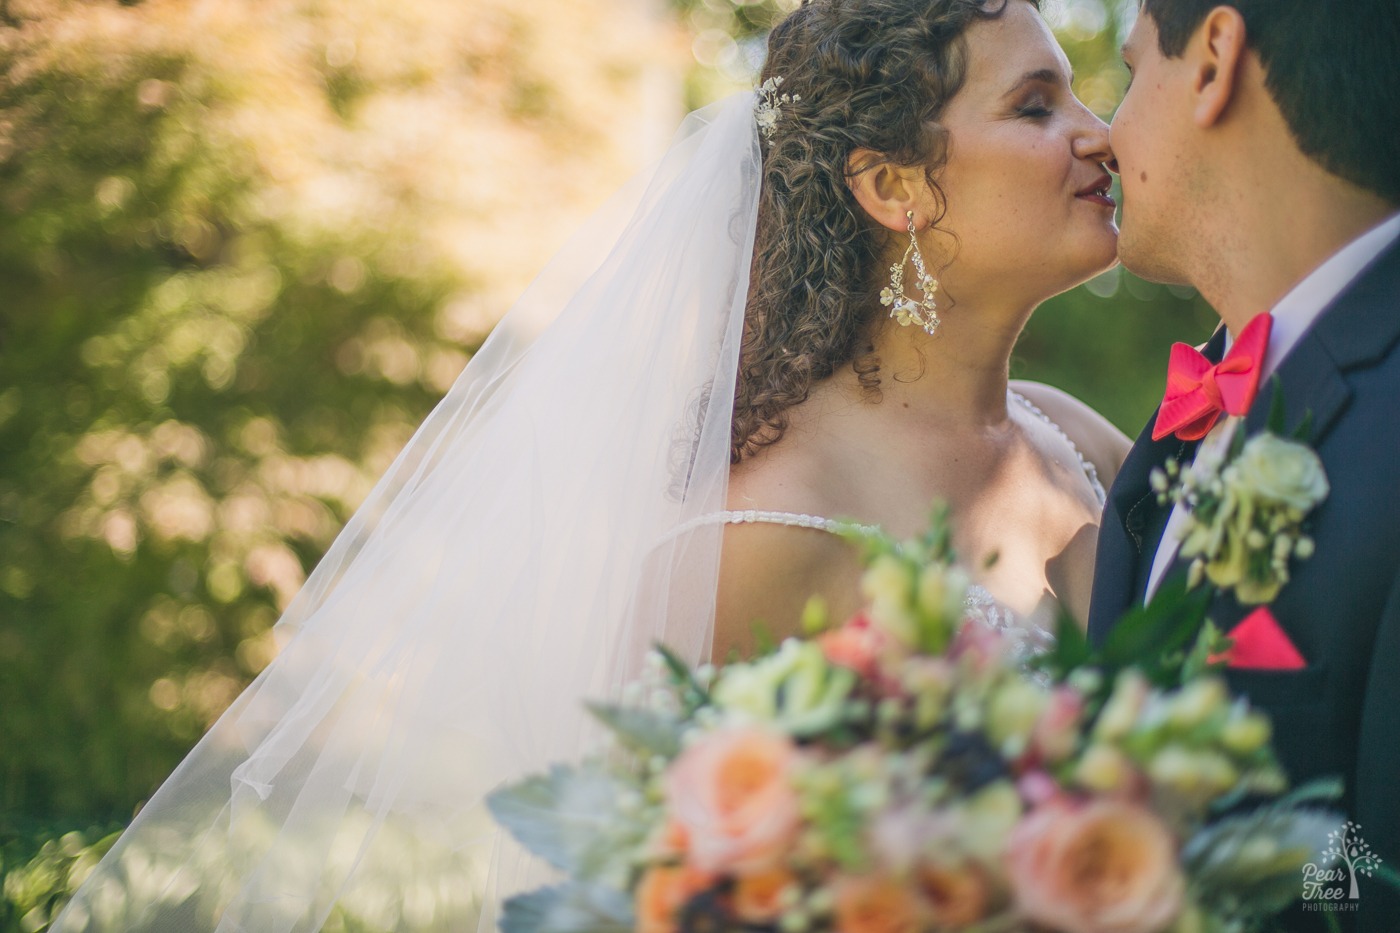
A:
x,y
547,523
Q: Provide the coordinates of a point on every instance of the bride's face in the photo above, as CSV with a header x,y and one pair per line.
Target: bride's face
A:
x,y
1025,184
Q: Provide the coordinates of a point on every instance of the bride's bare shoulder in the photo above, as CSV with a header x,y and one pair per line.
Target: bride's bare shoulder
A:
x,y
1096,437
768,570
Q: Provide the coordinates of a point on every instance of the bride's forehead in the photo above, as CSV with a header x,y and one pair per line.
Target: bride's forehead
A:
x,y
1017,43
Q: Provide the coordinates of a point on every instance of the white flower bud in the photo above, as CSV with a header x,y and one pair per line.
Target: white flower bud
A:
x,y
794,921
1102,768
1197,702
1121,711
1245,733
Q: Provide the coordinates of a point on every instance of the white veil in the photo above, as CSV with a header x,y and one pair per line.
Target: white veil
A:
x,y
545,526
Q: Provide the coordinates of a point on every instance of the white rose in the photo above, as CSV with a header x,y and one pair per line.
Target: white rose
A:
x,y
1281,470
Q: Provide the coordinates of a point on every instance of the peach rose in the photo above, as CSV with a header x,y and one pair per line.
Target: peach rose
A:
x,y
757,898
1106,866
662,893
731,792
857,645
956,896
876,905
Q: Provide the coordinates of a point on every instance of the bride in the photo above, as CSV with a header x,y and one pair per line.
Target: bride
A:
x,y
844,412
710,352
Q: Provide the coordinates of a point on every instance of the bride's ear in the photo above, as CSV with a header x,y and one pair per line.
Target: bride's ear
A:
x,y
886,191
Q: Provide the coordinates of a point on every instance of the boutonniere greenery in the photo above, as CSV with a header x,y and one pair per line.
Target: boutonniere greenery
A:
x,y
1247,508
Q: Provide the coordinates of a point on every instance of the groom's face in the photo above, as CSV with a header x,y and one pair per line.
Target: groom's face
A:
x,y
1151,135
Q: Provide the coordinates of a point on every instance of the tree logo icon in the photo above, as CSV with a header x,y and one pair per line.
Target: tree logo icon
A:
x,y
1345,859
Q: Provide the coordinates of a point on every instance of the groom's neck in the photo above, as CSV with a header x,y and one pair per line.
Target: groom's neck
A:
x,y
1287,216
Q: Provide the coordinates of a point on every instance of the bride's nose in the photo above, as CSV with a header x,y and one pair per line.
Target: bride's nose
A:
x,y
1091,141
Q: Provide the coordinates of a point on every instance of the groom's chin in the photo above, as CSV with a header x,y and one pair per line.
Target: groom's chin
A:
x,y
1145,258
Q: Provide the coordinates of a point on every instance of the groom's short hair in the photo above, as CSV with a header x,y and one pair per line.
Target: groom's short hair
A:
x,y
1333,69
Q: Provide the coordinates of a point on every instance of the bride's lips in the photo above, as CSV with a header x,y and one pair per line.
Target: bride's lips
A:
x,y
1098,192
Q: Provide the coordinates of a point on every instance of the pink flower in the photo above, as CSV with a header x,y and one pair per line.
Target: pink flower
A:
x,y
1057,732
857,645
1105,866
732,794
979,646
1037,787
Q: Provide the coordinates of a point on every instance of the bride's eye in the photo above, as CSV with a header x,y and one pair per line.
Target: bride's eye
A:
x,y
1034,110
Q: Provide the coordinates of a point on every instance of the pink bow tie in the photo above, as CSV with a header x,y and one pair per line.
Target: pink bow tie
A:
x,y
1199,393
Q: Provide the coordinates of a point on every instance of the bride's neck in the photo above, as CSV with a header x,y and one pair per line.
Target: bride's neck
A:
x,y
956,379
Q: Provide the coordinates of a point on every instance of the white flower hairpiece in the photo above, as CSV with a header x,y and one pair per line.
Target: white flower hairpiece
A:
x,y
769,107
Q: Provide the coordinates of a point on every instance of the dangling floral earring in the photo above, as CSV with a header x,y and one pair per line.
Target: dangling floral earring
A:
x,y
904,309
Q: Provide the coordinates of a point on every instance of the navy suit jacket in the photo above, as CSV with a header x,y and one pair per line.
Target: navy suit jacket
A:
x,y
1340,715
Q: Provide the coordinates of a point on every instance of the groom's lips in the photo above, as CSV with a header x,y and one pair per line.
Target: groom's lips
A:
x,y
1098,192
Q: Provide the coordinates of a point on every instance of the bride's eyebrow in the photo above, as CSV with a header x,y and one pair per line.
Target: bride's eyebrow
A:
x,y
1042,75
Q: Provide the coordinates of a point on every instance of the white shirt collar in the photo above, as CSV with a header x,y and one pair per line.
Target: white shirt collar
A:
x,y
1295,312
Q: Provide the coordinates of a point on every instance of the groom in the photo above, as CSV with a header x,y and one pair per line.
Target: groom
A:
x,y
1259,151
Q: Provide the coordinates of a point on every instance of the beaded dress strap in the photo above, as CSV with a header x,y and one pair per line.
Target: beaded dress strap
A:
x,y
795,519
1084,463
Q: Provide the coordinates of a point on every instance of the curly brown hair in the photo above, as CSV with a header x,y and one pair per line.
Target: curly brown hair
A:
x,y
872,74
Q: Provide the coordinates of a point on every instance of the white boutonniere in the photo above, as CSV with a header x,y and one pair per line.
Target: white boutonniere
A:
x,y
1247,511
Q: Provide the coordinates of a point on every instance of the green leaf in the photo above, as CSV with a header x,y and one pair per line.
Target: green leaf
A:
x,y
1237,442
1071,650
693,693
570,817
1211,641
1276,410
1318,790
569,908
644,730
1152,637
1252,861
1303,433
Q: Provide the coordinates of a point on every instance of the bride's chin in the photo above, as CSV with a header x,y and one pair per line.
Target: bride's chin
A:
x,y
1101,260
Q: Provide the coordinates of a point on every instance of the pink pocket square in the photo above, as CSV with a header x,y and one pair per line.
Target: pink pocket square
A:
x,y
1261,645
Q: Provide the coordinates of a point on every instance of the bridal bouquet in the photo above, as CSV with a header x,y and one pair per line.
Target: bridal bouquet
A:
x,y
906,770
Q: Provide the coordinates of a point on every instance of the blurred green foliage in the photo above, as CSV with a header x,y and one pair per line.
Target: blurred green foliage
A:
x,y
241,258
244,251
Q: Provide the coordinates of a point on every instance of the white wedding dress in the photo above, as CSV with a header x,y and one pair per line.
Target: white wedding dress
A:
x,y
542,530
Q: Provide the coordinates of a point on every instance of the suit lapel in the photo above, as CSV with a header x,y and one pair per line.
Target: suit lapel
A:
x,y
1358,329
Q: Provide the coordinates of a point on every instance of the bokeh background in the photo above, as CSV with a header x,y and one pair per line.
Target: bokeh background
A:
x,y
244,247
